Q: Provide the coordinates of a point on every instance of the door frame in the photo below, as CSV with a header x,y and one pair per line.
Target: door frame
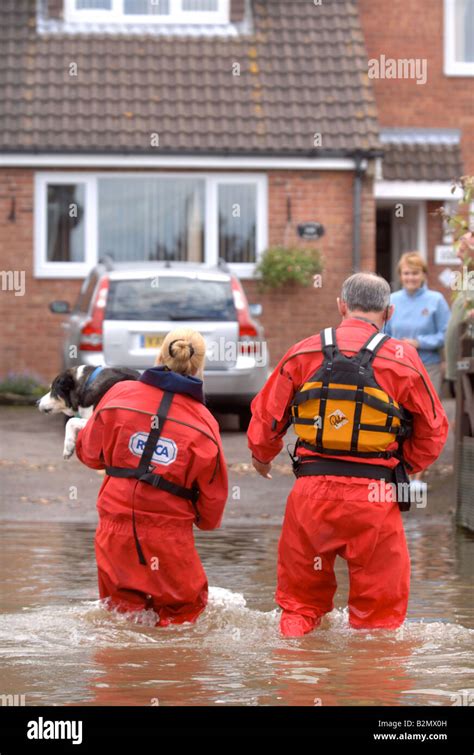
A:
x,y
421,228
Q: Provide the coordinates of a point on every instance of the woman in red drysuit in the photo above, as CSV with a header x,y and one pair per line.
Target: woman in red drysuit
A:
x,y
146,557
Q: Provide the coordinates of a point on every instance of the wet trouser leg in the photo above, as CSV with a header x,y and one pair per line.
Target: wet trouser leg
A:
x,y
380,580
331,516
172,581
306,582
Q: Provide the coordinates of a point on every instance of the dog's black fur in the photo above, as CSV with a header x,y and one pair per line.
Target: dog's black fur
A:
x,y
72,389
70,395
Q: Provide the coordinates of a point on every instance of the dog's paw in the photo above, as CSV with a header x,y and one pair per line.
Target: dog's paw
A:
x,y
68,450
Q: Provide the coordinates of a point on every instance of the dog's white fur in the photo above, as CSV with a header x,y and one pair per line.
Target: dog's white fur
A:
x,y
72,431
50,405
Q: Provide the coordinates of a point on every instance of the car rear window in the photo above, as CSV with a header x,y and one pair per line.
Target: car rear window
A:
x,y
170,298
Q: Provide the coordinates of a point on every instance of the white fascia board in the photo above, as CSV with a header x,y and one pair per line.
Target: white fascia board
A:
x,y
41,160
415,190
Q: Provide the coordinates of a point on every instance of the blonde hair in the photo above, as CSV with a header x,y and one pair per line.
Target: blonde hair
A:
x,y
412,259
183,350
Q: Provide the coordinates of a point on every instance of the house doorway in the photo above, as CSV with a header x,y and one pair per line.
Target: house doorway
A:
x,y
401,227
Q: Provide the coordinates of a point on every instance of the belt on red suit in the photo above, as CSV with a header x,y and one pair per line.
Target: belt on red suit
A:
x,y
157,481
339,468
143,474
317,466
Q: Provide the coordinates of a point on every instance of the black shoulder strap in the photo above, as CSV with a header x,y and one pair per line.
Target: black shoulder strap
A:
x,y
329,346
150,445
364,358
371,347
155,432
146,457
328,342
143,474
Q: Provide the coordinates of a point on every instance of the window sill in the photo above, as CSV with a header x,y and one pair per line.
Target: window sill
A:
x,y
63,270
459,69
243,270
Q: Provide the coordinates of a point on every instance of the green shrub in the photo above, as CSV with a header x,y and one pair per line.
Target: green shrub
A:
x,y
24,384
282,265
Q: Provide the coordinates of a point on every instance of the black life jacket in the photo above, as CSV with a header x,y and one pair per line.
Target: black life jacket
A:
x,y
341,409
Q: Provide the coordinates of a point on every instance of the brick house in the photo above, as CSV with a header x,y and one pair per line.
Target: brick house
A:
x,y
155,117
427,129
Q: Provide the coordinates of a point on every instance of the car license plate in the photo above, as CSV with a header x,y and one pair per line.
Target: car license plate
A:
x,y
152,342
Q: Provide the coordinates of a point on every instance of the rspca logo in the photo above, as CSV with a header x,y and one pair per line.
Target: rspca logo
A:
x,y
165,452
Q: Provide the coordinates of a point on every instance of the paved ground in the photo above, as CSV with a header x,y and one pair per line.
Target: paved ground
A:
x,y
37,485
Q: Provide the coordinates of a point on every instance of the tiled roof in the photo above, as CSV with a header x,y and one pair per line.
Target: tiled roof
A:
x,y
303,72
421,154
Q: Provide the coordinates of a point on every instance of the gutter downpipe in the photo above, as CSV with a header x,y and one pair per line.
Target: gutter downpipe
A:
x,y
357,200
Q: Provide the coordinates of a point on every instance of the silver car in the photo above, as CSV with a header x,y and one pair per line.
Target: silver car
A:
x,y
124,311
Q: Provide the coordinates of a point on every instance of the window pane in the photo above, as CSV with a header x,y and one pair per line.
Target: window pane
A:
x,y
151,219
464,31
146,7
205,5
65,242
93,4
170,298
237,222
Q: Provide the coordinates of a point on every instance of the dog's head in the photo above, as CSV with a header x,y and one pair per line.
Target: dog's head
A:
x,y
62,396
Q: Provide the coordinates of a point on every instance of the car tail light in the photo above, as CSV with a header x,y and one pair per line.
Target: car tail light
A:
x,y
247,328
91,332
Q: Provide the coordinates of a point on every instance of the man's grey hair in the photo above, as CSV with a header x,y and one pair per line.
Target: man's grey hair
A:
x,y
366,292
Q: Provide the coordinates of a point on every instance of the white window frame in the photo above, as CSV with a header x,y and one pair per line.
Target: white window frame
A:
x,y
242,269
453,67
176,15
45,269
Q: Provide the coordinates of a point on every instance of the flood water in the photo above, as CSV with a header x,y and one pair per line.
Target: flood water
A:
x,y
61,647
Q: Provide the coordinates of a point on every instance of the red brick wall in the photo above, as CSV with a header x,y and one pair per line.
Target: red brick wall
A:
x,y
295,313
414,29
31,336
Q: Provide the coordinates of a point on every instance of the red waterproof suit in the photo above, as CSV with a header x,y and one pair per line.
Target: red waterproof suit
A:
x,y
172,581
328,515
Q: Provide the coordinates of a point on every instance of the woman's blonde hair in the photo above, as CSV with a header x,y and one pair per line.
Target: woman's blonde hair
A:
x,y
183,350
412,259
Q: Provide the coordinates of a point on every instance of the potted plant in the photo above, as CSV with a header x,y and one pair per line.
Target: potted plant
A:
x,y
280,266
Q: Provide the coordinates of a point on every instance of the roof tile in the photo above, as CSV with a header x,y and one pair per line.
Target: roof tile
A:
x,y
422,162
303,70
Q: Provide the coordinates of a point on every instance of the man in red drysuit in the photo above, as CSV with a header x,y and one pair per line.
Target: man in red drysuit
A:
x,y
328,515
146,557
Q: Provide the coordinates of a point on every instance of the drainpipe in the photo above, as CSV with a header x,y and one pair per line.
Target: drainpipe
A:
x,y
359,172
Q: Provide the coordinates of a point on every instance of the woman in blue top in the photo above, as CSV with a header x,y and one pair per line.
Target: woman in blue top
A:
x,y
420,318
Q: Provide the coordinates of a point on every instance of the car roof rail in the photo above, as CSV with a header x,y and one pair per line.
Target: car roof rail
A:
x,y
107,261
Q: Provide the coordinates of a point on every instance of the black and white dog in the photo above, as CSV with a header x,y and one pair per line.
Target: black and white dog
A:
x,y
78,390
